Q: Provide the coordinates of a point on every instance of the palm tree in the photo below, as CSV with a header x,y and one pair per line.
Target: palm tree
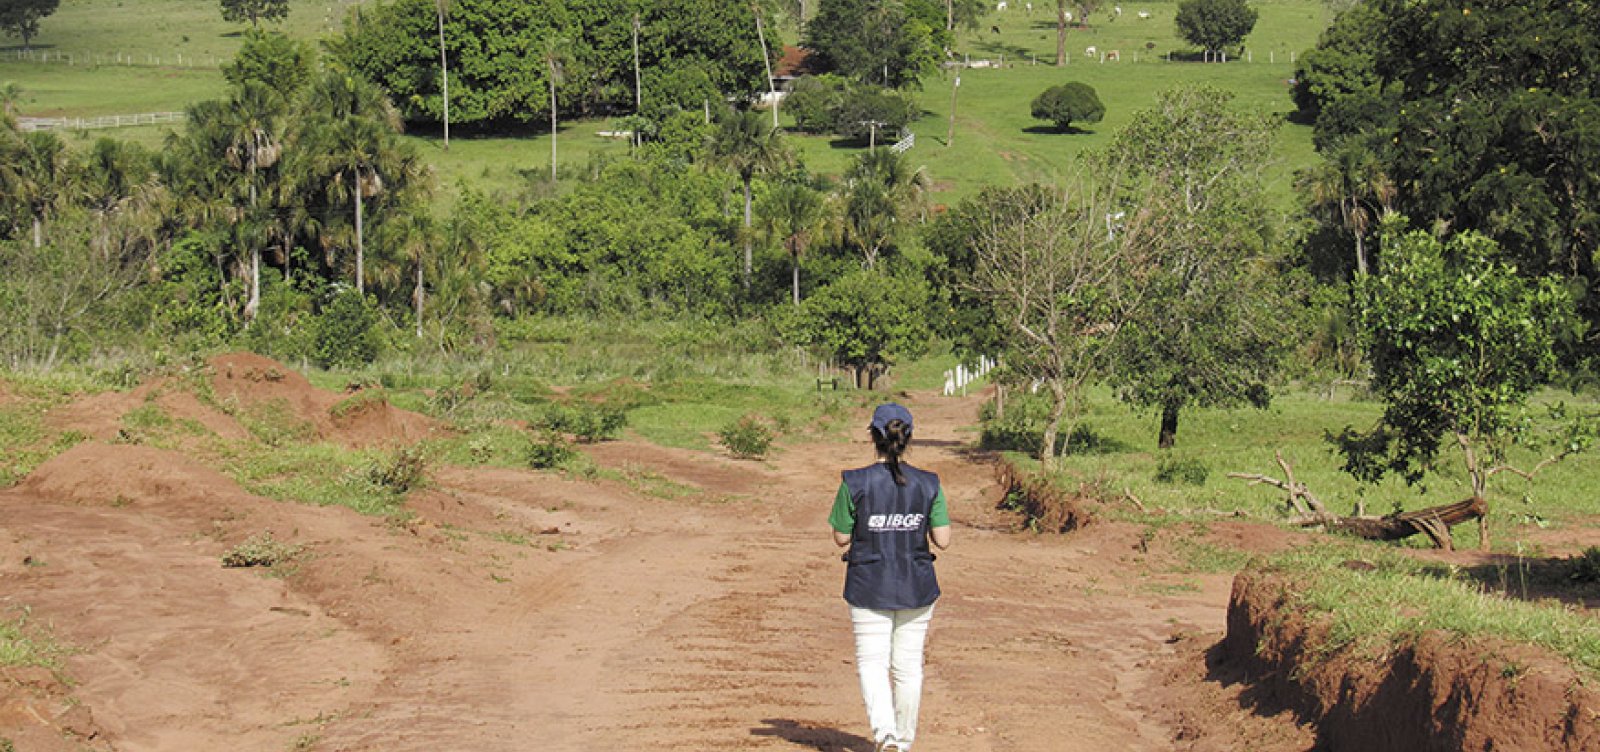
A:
x,y
254,125
38,177
795,214
355,139
881,190
1349,186
745,144
554,54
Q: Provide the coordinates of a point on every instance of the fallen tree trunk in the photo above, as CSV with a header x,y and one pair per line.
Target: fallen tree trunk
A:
x,y
1434,522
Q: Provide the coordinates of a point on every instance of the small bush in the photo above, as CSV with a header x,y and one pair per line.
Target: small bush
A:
x,y
589,423
1585,567
345,333
398,473
1191,472
260,551
749,437
549,450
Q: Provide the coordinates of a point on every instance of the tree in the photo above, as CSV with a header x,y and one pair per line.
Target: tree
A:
x,y
1057,288
797,215
1215,330
877,42
38,178
1457,339
273,60
1061,33
867,320
745,144
1068,102
1215,25
253,125
254,11
20,18
355,136
881,192
1349,190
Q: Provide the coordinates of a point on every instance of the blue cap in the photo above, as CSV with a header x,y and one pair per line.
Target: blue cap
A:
x,y
890,411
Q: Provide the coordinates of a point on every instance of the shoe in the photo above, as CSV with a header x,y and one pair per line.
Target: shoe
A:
x,y
888,744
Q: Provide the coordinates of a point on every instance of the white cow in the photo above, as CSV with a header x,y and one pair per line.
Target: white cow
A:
x,y
1090,52
1028,7
1117,9
1001,5
1144,14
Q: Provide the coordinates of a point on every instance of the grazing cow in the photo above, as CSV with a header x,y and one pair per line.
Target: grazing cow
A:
x,y
1144,14
1029,7
994,29
1117,9
1090,52
1113,55
1001,5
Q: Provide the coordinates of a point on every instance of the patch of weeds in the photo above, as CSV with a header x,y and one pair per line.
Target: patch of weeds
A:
x,y
24,644
651,483
322,474
399,471
1585,567
549,450
512,537
261,550
1202,557
358,404
1189,472
750,437
589,423
273,422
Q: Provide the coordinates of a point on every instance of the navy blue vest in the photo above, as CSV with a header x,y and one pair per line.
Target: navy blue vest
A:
x,y
889,564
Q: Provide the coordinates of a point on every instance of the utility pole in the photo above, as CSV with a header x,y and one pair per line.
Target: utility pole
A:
x,y
444,68
766,59
950,137
638,88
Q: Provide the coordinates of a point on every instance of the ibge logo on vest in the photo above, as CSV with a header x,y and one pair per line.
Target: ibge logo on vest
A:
x,y
894,523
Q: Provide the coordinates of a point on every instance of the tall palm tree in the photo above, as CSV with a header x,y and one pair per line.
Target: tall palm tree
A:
x,y
1350,188
253,125
554,54
881,191
355,139
745,144
38,178
796,215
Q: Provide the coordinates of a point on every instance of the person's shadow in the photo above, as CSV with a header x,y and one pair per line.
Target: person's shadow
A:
x,y
817,737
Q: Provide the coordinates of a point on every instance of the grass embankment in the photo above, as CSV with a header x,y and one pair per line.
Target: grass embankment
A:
x,y
996,140
1390,599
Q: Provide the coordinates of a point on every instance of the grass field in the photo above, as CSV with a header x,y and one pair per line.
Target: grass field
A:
x,y
995,141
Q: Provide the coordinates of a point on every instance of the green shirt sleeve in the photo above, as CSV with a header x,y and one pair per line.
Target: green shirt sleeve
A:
x,y
843,516
940,516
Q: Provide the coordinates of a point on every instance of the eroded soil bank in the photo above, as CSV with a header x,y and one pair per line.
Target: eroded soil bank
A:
x,y
1433,694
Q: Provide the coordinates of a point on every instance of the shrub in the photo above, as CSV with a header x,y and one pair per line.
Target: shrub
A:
x,y
549,450
1021,429
260,551
1191,472
1068,103
399,472
589,423
749,437
345,334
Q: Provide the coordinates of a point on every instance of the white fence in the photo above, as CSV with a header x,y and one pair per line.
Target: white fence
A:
x,y
104,121
141,59
957,379
904,144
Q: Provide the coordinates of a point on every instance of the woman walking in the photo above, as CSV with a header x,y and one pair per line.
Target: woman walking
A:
x,y
887,513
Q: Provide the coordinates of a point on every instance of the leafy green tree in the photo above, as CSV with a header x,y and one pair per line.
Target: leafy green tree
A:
x,y
748,146
1214,331
797,215
1457,339
875,42
867,320
254,11
254,130
20,18
37,178
1348,190
881,193
1215,25
1479,118
271,59
1069,102
345,334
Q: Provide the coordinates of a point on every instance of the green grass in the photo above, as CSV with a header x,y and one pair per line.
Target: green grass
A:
x,y
23,643
321,474
996,141
1389,605
1244,440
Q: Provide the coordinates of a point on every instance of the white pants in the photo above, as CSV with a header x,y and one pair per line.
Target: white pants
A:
x,y
889,660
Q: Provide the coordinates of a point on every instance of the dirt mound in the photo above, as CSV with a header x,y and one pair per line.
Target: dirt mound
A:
x,y
39,714
123,475
1434,694
268,392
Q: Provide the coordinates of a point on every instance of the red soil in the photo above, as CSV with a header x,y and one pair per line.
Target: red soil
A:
x,y
1434,695
520,610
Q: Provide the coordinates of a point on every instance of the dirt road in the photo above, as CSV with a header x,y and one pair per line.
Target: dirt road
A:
x,y
528,612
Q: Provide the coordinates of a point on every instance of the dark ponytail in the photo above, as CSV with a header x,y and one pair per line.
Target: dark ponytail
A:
x,y
891,443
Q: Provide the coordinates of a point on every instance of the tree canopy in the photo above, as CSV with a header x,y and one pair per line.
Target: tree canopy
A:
x,y
889,43
1068,103
1214,25
254,11
20,18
